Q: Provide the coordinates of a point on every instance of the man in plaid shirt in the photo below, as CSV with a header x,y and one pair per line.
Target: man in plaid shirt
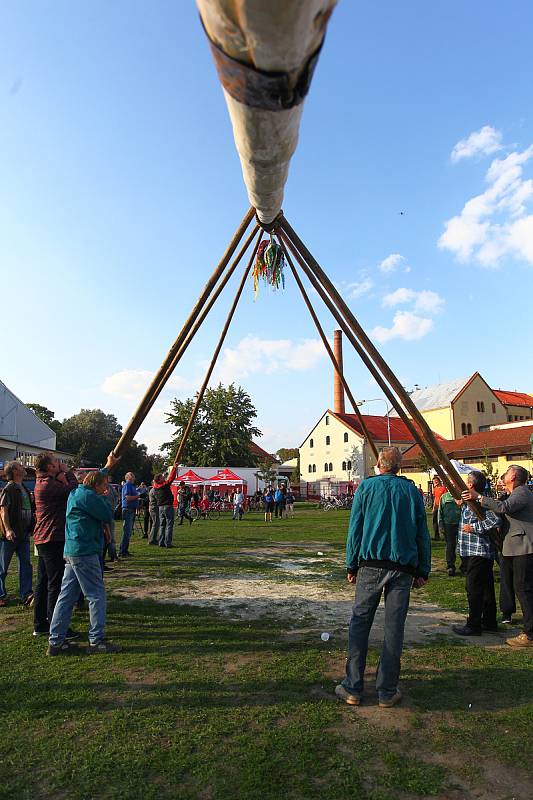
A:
x,y
476,547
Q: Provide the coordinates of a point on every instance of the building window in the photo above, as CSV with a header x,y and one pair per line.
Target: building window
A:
x,y
330,467
328,439
494,408
311,443
481,406
349,466
310,468
314,467
509,418
463,428
327,420
325,467
468,429
344,466
345,437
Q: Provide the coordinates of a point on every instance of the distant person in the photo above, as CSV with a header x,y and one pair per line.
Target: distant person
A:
x,y
165,504
17,518
53,485
268,500
144,511
278,502
88,510
449,516
184,500
388,551
153,535
290,503
130,503
238,504
518,541
476,546
110,546
438,491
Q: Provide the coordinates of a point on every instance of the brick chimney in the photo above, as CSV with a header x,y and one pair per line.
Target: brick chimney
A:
x,y
338,388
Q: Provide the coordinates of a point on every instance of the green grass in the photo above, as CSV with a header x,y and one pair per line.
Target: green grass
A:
x,y
199,706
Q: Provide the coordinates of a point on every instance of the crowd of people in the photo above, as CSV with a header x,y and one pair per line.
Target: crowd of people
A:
x,y
72,519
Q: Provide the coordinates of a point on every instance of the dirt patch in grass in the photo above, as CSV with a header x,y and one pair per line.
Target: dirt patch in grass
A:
x,y
10,621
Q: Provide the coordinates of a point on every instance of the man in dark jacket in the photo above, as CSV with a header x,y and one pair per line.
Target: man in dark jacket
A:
x,y
17,517
387,552
518,542
165,504
53,485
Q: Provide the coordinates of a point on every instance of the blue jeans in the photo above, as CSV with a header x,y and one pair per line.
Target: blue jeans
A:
x,y
128,517
371,583
166,525
22,549
82,573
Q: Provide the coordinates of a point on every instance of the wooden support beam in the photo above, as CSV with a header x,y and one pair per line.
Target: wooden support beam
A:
x,y
200,395
329,351
163,374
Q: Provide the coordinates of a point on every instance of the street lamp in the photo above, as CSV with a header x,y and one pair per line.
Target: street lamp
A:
x,y
388,410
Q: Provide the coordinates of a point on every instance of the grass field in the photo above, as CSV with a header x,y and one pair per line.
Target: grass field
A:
x,y
201,704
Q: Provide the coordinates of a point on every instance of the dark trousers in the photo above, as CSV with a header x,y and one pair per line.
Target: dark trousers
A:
x,y
49,576
480,591
450,534
523,585
278,509
436,534
507,595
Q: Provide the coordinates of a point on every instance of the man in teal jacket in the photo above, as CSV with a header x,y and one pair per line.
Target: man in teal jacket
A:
x,y
88,509
388,551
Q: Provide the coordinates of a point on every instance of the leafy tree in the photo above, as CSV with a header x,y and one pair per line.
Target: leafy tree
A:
x,y
266,472
296,474
47,416
222,432
286,453
488,466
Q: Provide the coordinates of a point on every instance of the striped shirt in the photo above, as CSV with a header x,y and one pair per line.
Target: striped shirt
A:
x,y
477,543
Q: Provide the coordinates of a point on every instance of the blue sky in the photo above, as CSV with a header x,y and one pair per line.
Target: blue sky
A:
x,y
120,188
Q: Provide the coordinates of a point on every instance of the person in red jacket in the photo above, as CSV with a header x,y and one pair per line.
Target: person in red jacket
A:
x,y
438,491
54,483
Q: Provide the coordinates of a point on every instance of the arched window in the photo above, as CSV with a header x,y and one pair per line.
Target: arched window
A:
x,y
325,467
310,468
328,439
463,428
314,467
327,420
349,466
311,443
469,429
344,466
330,467
345,437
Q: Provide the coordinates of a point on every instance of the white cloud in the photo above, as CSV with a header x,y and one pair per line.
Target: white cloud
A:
x,y
480,143
131,384
354,289
391,263
495,223
425,300
406,325
252,355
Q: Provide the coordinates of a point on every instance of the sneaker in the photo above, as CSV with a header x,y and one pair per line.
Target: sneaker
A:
x,y
104,647
71,635
522,640
465,630
28,600
343,694
391,701
63,649
451,572
44,632
507,621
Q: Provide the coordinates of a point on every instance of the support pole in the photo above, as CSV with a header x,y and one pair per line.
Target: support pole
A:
x,y
157,384
368,363
200,396
329,351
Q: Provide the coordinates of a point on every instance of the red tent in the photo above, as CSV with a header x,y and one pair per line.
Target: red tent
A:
x,y
225,477
189,478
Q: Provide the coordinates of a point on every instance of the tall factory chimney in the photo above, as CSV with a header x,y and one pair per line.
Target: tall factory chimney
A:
x,y
338,388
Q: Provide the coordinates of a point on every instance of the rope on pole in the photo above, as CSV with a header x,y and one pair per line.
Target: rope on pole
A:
x,y
218,348
329,351
158,383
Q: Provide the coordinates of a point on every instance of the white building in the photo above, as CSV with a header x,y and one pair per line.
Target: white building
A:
x,y
22,434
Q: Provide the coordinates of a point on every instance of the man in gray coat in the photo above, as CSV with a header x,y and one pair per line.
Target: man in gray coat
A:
x,y
518,542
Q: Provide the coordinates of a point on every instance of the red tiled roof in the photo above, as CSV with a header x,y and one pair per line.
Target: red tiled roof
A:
x,y
499,442
377,427
514,398
260,453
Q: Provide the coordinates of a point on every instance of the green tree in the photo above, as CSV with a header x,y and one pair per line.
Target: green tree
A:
x,y
266,472
286,453
296,474
47,416
488,466
222,432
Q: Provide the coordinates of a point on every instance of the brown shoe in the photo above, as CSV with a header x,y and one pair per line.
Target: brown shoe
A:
x,y
391,701
342,694
522,640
